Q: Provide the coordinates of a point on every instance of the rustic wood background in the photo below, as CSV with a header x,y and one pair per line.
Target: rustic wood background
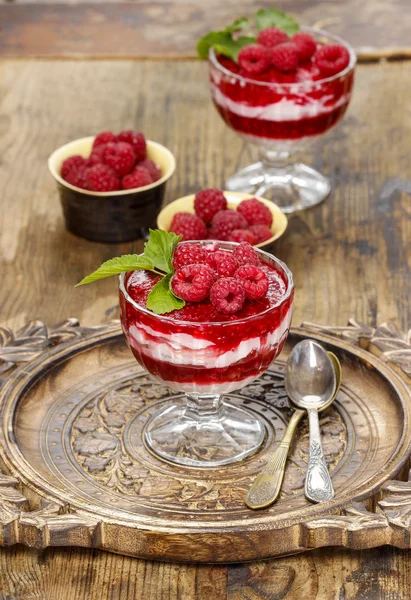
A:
x,y
350,257
170,28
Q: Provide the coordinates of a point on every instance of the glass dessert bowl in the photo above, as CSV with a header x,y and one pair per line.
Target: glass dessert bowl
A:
x,y
206,355
282,113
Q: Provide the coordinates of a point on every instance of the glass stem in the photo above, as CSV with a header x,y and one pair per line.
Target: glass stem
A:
x,y
274,160
203,407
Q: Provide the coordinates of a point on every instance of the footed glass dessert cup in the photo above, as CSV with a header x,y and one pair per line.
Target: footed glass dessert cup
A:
x,y
206,360
282,118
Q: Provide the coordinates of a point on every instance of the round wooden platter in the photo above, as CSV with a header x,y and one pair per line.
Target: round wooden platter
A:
x,y
75,470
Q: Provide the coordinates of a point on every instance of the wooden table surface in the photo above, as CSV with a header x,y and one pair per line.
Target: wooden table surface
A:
x,y
351,256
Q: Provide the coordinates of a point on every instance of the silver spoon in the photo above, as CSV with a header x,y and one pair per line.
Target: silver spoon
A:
x,y
310,382
266,487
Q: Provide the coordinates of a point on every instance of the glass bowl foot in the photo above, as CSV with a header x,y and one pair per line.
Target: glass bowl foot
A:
x,y
179,435
292,187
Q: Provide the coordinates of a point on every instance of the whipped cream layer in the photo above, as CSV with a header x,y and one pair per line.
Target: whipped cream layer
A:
x,y
285,109
187,350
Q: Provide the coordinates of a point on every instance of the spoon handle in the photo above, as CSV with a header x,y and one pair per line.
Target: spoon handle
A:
x,y
318,485
267,485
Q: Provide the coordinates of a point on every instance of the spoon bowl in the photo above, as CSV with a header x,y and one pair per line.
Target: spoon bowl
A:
x,y
310,377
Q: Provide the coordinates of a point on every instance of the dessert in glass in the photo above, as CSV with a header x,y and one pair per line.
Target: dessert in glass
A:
x,y
209,348
282,110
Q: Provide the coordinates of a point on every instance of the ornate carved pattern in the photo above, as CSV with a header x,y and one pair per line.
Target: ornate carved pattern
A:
x,y
98,432
386,341
100,448
318,483
32,339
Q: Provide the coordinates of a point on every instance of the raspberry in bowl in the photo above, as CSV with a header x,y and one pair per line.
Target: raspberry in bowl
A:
x,y
111,186
280,92
205,216
237,314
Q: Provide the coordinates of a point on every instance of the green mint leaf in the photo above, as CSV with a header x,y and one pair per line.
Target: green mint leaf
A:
x,y
224,43
209,41
271,17
238,25
161,299
231,48
159,249
121,264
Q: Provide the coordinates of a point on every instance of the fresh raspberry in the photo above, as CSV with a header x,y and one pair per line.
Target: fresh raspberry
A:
x,y
72,163
246,255
242,235
120,156
272,36
253,280
192,283
225,264
255,212
254,59
284,57
261,232
96,156
207,203
225,221
227,295
137,140
188,254
152,168
102,178
78,178
103,138
306,45
136,179
190,227
332,59
177,219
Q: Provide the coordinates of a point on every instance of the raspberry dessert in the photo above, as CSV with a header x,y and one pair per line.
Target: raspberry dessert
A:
x,y
284,92
117,162
233,325
214,220
206,319
279,87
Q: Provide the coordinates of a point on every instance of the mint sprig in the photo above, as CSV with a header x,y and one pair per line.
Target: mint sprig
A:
x,y
162,299
227,42
120,264
271,17
158,258
234,37
159,249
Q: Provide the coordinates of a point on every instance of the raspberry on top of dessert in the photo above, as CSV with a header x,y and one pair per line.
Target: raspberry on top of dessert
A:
x,y
217,285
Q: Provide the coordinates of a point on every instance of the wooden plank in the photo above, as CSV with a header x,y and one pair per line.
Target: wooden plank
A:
x,y
78,574
169,29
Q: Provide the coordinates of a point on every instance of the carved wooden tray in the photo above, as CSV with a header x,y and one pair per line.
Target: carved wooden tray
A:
x,y
73,403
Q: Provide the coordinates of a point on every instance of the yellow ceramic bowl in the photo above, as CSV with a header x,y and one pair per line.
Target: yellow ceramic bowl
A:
x,y
186,204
